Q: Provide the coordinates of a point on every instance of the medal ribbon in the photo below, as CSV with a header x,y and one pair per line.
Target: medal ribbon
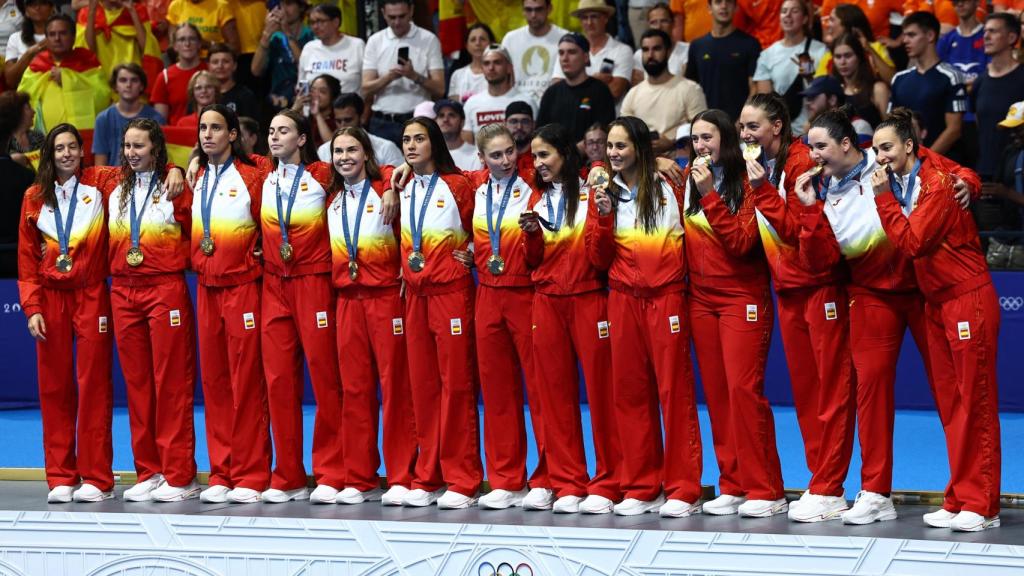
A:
x,y
825,183
417,231
1018,173
206,200
284,222
904,197
353,245
64,231
494,230
135,219
554,221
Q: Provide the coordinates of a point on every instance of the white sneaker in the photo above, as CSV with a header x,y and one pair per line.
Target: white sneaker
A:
x,y
678,509
724,505
394,496
420,497
762,508
323,494
243,495
168,493
499,499
817,508
215,494
452,500
60,495
973,522
595,504
141,492
539,499
634,507
567,505
941,518
275,496
871,507
355,496
90,493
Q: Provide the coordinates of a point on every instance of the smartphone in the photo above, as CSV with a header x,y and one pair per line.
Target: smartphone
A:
x,y
403,54
607,66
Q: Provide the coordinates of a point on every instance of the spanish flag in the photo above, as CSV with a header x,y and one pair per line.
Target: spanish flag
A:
x,y
180,142
500,15
115,40
82,94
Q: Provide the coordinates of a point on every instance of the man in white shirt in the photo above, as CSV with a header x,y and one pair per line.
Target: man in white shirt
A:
x,y
611,61
534,48
663,101
660,17
402,67
348,110
489,107
450,118
332,53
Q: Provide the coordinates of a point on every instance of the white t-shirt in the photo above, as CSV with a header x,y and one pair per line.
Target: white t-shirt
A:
x,y
15,46
466,157
535,58
10,22
619,54
384,150
464,83
402,95
483,109
343,60
776,64
676,60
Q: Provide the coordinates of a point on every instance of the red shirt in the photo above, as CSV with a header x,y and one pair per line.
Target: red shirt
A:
x,y
171,88
760,19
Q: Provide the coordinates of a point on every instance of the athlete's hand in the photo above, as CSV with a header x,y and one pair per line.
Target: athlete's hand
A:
x,y
703,178
880,181
192,172
755,173
804,190
603,201
174,183
464,257
400,177
961,194
389,206
670,171
528,222
37,327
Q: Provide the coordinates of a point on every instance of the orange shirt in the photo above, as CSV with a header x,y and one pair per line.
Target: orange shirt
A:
x,y
877,12
943,10
697,19
760,19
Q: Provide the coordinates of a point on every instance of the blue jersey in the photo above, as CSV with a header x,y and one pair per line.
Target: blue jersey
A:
x,y
933,94
967,53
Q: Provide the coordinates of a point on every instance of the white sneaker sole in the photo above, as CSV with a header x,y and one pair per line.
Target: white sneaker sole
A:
x,y
766,513
103,496
880,517
251,500
186,495
504,505
459,506
983,525
692,510
824,517
147,497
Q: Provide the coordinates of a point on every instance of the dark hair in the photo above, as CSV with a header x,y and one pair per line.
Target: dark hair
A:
x,y
647,184
902,121
557,136
131,68
660,6
307,153
836,123
28,30
464,58
864,79
156,137
329,11
350,100
443,162
371,166
384,3
734,168
666,40
597,126
1010,21
221,48
231,121
250,124
775,108
925,21
333,85
12,106
853,18
60,17
47,164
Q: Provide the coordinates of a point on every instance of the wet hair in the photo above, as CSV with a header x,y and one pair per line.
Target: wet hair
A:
x,y
232,122
443,162
156,137
370,165
131,68
490,132
648,186
853,18
775,108
864,78
48,163
926,21
901,120
734,168
557,136
836,123
307,153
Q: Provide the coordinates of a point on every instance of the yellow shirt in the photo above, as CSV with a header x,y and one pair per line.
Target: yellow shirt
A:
x,y
207,15
249,16
825,66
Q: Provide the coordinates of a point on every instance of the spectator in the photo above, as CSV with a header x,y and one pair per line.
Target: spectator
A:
x,y
468,77
692,19
659,17
348,113
30,41
203,90
213,19
637,15
723,61
663,101
1000,84
849,18
333,53
128,81
519,121
787,66
932,87
759,19
1015,7
10,22
534,48
157,10
868,95
877,14
64,82
25,137
683,145
580,100
283,39
16,179
611,61
223,65
826,93
964,46
170,95
402,67
1005,192
250,16
250,128
317,106
489,107
450,119
595,142
124,35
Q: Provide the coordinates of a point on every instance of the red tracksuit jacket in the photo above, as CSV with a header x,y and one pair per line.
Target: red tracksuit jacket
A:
x,y
446,227
378,249
559,259
511,246
307,232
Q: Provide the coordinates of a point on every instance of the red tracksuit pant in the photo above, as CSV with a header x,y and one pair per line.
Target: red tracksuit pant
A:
x,y
443,375
731,334
651,367
156,344
568,328
76,400
371,346
234,392
963,337
298,317
505,358
815,327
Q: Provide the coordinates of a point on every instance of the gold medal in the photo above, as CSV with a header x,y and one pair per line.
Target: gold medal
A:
x,y
64,263
287,252
134,256
417,261
207,246
816,170
752,152
702,160
496,264
353,270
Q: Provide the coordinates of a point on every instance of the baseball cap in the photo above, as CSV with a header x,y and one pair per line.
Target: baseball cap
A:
x,y
518,107
497,49
425,108
449,103
683,131
577,39
828,85
1014,116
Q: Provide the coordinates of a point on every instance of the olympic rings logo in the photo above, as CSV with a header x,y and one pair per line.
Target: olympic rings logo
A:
x,y
504,569
1011,303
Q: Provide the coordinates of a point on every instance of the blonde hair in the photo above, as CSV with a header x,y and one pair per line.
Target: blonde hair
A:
x,y
204,74
490,132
